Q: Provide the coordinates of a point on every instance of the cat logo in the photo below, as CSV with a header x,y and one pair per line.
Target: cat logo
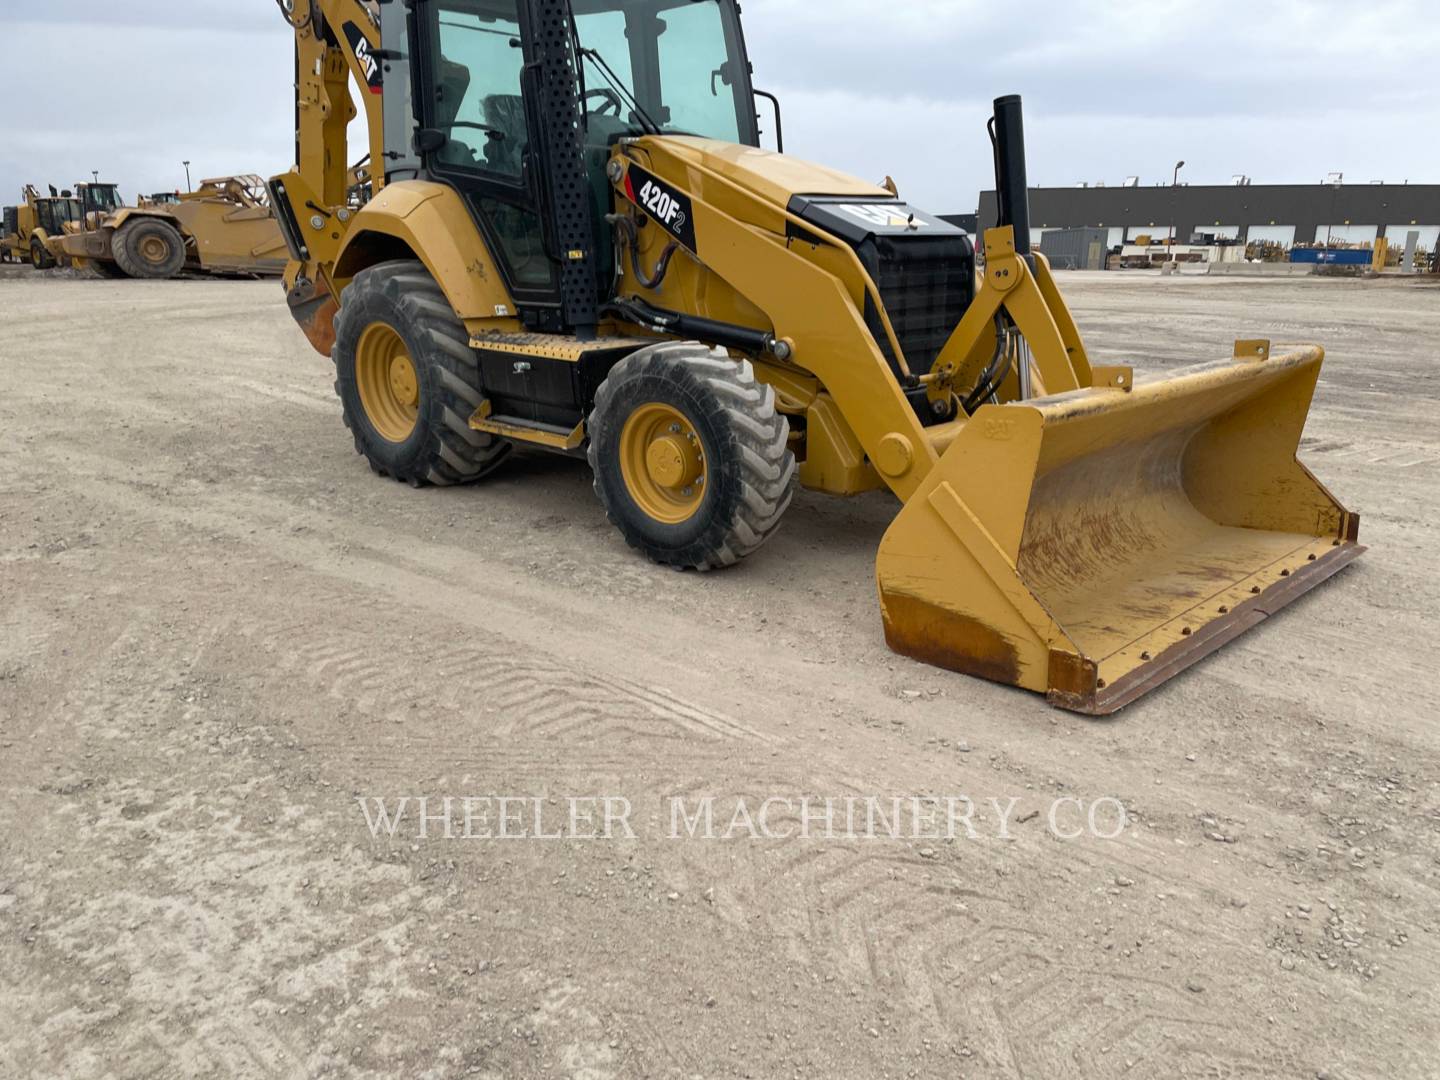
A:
x,y
365,56
884,215
1000,429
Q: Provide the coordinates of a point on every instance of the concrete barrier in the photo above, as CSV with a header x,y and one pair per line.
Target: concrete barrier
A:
x,y
1247,269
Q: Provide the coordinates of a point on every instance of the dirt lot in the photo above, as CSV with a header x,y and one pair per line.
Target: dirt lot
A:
x,y
218,631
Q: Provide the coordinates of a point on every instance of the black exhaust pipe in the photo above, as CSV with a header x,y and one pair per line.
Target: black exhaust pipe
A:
x,y
1007,134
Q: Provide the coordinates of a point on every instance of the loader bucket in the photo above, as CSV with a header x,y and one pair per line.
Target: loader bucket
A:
x,y
1093,544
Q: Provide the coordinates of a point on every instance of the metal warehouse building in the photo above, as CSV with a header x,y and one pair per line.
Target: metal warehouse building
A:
x,y
1285,214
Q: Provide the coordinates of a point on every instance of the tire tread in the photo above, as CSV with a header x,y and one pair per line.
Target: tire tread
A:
x,y
745,408
136,267
454,453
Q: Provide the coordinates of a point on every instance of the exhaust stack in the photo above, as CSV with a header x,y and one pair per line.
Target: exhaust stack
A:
x,y
1007,133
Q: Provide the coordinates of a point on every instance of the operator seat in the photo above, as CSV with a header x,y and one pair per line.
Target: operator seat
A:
x,y
454,80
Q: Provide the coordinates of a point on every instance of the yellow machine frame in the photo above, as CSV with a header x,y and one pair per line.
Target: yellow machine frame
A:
x,y
89,241
230,227
28,228
1086,534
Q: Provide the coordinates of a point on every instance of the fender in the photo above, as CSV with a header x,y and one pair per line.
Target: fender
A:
x,y
427,221
51,244
125,213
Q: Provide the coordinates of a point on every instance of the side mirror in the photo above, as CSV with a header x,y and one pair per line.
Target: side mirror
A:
x,y
428,140
722,74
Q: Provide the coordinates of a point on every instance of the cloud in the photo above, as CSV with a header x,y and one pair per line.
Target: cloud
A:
x,y
1284,90
135,96
212,15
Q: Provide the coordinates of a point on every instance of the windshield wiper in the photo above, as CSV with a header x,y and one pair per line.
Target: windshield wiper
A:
x,y
620,88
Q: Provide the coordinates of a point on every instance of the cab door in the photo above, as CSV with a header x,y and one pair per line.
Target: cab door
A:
x,y
475,137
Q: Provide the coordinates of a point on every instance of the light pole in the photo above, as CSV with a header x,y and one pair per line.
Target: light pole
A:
x,y
1336,179
95,175
1174,186
187,176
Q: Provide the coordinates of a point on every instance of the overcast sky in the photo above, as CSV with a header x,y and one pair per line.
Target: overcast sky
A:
x,y
1282,90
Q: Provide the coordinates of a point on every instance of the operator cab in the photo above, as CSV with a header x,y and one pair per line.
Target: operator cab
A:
x,y
675,67
99,199
54,213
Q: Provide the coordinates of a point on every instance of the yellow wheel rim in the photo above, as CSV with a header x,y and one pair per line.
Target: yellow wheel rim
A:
x,y
389,387
663,462
154,249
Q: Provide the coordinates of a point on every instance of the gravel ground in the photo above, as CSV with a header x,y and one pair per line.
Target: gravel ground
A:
x,y
219,633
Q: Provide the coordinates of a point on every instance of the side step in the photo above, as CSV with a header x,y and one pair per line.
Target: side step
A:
x,y
550,436
550,375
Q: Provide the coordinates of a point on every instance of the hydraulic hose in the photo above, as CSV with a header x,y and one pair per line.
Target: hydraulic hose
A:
x,y
995,372
626,226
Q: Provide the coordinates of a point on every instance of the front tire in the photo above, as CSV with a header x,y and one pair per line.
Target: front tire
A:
x,y
149,248
40,257
691,459
408,380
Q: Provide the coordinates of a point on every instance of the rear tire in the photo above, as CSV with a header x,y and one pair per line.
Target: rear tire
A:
x,y
40,257
103,268
408,380
691,459
147,247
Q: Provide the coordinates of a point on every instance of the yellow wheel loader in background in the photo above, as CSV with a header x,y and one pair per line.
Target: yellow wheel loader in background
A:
x,y
28,226
575,242
224,227
116,240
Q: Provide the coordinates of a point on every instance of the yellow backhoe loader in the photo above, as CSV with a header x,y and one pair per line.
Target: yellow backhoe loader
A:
x,y
575,242
29,225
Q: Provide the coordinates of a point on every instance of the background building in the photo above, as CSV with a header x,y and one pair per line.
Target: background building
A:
x,y
1283,214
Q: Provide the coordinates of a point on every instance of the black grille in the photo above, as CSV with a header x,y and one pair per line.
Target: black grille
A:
x,y
926,286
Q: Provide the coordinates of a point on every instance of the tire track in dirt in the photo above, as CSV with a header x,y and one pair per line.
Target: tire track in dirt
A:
x,y
110,710
1036,915
967,962
868,925
542,695
536,698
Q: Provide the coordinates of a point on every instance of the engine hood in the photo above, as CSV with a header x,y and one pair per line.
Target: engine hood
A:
x,y
776,178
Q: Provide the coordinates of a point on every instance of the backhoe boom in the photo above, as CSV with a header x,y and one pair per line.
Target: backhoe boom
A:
x,y
335,41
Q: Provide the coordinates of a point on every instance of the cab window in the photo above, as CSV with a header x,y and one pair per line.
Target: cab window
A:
x,y
680,60
477,86
696,77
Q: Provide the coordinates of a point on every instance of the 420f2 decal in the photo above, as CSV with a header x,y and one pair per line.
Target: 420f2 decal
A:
x,y
663,203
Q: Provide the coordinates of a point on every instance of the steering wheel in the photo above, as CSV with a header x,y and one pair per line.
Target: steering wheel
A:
x,y
611,101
